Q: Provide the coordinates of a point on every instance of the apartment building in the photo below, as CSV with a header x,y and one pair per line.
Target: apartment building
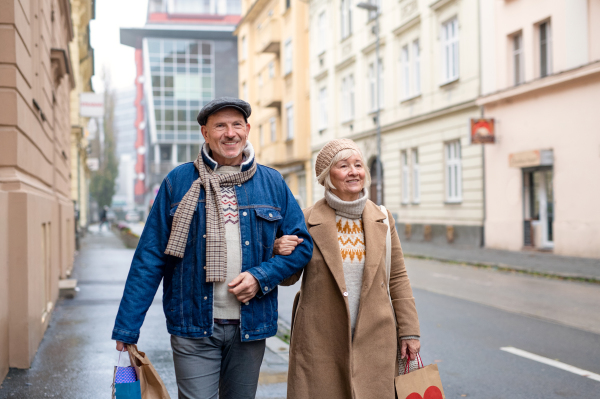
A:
x,y
186,56
273,77
429,79
541,84
38,146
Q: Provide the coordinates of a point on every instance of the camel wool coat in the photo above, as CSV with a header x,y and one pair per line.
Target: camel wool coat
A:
x,y
325,363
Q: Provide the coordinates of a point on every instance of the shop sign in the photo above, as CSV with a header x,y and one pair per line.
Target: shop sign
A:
x,y
482,131
528,159
91,105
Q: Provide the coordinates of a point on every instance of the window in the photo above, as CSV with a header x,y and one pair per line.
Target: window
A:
x,y
518,62
374,88
271,70
545,49
289,116
453,172
405,72
416,67
322,109
347,98
416,192
166,152
260,80
322,33
261,138
288,4
450,50
273,130
346,18
244,48
245,91
405,177
287,66
182,80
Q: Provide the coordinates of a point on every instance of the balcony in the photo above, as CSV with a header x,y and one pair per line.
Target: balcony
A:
x,y
269,36
270,94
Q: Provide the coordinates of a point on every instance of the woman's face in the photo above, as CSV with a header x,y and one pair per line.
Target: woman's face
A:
x,y
348,177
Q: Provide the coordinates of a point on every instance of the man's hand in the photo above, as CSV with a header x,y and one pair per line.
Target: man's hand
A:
x,y
121,346
244,287
413,346
286,245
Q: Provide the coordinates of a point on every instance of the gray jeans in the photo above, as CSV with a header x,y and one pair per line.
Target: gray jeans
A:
x,y
221,366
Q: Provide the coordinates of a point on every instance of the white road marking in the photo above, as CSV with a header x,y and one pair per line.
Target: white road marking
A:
x,y
550,362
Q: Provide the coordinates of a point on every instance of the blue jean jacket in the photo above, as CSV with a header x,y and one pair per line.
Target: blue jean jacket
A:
x,y
267,210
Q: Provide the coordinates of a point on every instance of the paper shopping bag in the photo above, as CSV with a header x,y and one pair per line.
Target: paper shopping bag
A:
x,y
151,384
424,383
129,390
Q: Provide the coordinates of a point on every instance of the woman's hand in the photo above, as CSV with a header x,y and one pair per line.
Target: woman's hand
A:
x,y
121,346
412,345
286,245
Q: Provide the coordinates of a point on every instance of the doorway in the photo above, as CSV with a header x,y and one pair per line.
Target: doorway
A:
x,y
538,193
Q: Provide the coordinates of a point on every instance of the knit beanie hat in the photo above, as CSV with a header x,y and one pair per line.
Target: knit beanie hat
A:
x,y
330,150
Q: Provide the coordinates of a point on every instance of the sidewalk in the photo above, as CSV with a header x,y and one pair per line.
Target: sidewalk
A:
x,y
527,261
76,356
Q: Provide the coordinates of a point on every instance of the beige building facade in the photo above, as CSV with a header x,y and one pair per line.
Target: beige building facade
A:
x,y
36,207
273,53
428,86
541,84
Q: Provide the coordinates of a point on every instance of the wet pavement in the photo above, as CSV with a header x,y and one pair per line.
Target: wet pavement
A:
x,y
76,356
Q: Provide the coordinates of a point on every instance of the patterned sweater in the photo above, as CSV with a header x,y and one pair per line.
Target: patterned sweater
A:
x,y
351,239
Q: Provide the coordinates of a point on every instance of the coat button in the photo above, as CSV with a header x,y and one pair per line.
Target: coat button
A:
x,y
245,213
246,303
266,288
270,215
205,298
239,185
204,332
246,336
247,242
204,236
345,293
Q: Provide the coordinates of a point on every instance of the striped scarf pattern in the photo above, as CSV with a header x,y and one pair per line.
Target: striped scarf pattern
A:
x,y
216,247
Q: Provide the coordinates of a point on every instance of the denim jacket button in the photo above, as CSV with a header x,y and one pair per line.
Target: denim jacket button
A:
x,y
246,303
239,185
270,215
245,213
266,288
204,236
204,332
247,242
205,298
246,336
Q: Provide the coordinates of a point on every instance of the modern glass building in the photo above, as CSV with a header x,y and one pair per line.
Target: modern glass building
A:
x,y
186,56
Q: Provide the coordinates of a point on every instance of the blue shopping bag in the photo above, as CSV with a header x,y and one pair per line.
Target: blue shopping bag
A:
x,y
125,382
129,390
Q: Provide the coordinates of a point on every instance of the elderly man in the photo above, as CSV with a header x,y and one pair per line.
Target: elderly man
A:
x,y
209,237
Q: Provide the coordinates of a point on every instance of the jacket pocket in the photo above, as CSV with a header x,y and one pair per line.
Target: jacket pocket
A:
x,y
267,220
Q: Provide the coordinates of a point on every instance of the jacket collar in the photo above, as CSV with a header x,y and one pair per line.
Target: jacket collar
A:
x,y
322,227
246,164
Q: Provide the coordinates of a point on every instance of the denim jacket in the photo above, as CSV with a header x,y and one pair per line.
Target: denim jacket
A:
x,y
267,210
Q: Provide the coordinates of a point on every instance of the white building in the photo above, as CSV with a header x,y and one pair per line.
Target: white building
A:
x,y
125,135
430,80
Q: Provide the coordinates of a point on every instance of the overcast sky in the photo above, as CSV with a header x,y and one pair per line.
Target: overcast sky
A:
x,y
109,53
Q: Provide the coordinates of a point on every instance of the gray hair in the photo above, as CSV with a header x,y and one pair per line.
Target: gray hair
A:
x,y
325,180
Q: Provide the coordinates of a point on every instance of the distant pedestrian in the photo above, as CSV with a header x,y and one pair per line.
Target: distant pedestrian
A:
x,y
344,337
104,218
209,238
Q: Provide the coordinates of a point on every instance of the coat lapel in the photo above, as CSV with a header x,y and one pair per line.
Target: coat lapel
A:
x,y
375,232
323,231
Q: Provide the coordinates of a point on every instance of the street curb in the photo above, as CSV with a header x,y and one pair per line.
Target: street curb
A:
x,y
509,268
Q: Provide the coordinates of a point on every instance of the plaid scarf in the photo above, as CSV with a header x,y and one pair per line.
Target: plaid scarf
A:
x,y
216,247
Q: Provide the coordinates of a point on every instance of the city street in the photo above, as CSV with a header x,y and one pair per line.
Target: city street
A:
x,y
467,315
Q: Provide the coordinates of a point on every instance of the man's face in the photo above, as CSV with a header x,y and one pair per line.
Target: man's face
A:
x,y
226,133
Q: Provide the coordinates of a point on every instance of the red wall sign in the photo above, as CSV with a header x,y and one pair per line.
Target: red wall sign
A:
x,y
482,131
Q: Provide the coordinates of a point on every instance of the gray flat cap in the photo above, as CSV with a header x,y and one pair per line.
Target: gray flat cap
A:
x,y
223,102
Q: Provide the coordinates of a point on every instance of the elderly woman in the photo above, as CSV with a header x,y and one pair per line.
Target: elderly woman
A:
x,y
344,335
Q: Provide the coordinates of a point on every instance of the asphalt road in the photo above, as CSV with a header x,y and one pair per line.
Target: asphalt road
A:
x,y
467,314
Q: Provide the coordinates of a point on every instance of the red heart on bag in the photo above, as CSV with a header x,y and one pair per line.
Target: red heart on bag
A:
x,y
432,392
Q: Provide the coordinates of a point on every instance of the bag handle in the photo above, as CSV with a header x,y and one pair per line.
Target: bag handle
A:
x,y
419,363
119,361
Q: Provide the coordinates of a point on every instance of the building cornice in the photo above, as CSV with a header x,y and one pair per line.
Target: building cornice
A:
x,y
371,47
251,14
345,63
414,21
437,5
418,119
541,84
